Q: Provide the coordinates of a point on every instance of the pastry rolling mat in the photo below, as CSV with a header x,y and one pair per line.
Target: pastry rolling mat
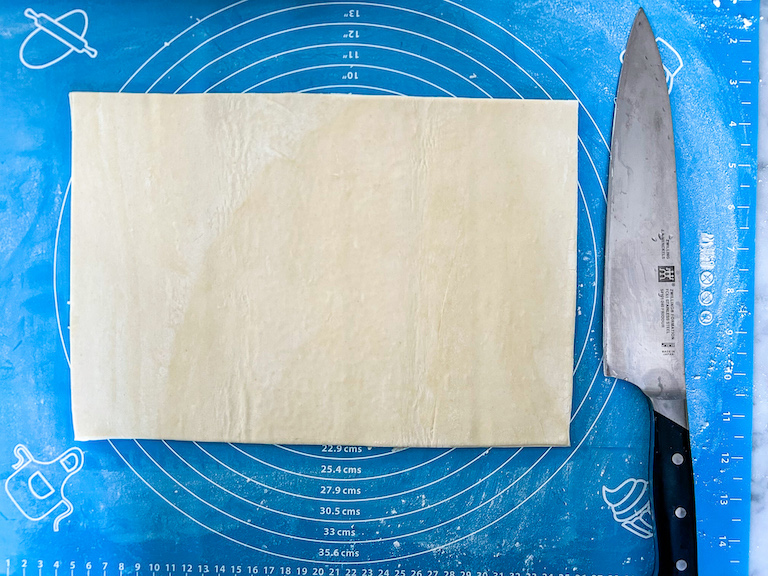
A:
x,y
154,508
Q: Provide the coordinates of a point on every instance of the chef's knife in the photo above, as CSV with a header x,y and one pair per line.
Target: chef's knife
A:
x,y
642,305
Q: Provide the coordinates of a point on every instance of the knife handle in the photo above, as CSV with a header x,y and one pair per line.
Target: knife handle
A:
x,y
673,506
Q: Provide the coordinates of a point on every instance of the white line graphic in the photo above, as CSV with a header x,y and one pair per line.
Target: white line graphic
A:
x,y
36,487
61,29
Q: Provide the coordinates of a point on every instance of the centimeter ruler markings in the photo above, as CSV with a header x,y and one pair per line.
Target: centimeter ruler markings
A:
x,y
726,545
733,456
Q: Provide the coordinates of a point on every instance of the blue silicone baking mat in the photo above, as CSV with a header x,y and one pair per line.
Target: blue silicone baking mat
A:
x,y
153,508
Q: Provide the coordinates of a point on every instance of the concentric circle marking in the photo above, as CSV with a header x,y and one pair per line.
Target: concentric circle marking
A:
x,y
352,500
345,459
347,44
345,66
358,479
402,463
348,86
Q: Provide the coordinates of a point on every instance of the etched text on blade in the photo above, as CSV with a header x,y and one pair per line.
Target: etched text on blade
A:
x,y
643,335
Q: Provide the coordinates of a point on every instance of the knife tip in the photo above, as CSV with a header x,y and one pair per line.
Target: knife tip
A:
x,y
640,18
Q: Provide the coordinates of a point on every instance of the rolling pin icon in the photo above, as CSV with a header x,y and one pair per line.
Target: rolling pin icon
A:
x,y
63,34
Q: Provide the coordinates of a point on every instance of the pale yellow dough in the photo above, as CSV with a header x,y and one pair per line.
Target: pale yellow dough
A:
x,y
323,269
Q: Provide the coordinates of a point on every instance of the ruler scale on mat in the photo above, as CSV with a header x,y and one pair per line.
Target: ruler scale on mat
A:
x,y
728,437
175,508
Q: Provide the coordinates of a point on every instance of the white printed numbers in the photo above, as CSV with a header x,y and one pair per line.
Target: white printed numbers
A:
x,y
328,490
330,555
338,511
337,449
338,469
326,553
728,369
346,532
351,34
707,251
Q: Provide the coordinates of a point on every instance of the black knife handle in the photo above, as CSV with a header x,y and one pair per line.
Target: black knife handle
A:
x,y
673,506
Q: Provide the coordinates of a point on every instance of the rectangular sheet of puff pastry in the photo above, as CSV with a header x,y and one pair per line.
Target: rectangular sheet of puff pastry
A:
x,y
323,269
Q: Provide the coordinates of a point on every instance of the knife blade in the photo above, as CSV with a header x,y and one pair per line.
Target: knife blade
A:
x,y
642,297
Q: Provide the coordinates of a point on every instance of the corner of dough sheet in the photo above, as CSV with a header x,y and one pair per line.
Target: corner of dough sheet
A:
x,y
323,269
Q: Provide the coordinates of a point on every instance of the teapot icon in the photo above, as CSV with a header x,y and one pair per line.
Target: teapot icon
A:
x,y
37,487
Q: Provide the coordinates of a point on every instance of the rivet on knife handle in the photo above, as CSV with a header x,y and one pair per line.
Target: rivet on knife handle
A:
x,y
643,300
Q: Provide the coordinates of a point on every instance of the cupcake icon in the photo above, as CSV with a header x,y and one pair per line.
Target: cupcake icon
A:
x,y
630,504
